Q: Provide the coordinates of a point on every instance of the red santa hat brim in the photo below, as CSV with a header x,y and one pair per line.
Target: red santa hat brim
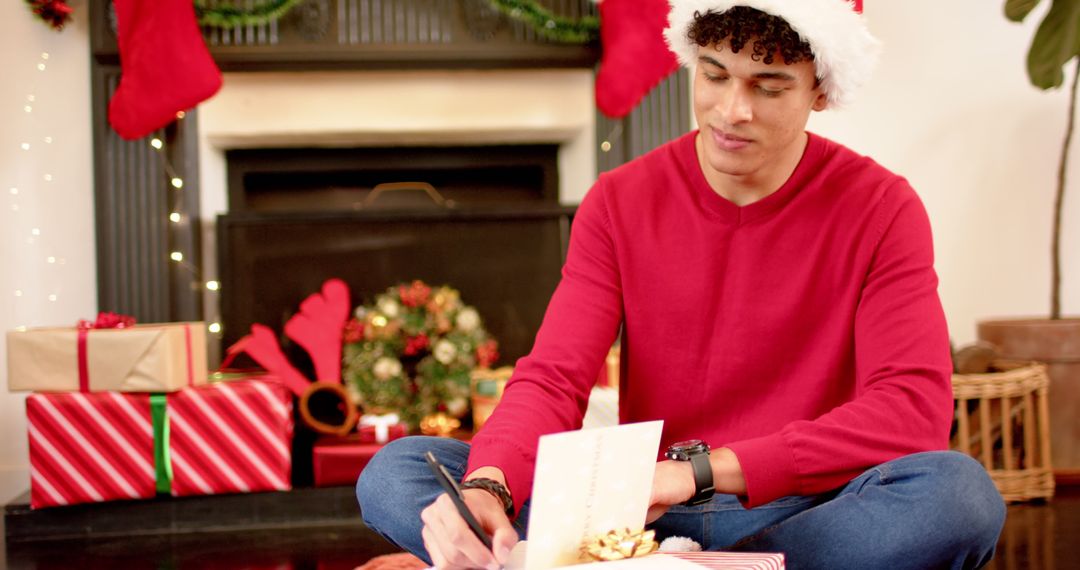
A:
x,y
845,52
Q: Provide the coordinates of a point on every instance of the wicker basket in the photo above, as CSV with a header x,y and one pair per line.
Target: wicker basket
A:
x,y
1001,420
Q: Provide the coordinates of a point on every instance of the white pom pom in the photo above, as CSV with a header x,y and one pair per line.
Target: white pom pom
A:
x,y
679,544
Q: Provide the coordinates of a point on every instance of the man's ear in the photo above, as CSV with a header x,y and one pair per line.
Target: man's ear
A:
x,y
821,101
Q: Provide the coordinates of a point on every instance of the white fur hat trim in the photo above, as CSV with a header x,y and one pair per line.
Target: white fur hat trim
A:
x,y
844,51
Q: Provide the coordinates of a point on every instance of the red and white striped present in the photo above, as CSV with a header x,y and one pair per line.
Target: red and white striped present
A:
x,y
733,560
226,437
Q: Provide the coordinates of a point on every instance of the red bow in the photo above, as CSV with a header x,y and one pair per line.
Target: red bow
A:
x,y
107,320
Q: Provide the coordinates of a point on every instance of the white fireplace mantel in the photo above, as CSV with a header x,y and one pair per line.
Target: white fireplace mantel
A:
x,y
261,110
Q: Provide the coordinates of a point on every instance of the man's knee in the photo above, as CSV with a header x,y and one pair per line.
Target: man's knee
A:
x,y
958,491
377,489
973,497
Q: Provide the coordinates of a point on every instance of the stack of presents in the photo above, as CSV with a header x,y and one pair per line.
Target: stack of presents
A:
x,y
125,411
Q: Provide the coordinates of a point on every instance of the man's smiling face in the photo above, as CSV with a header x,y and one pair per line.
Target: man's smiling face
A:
x,y
752,115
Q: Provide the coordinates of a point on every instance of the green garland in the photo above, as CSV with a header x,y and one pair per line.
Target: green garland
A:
x,y
544,22
549,25
233,17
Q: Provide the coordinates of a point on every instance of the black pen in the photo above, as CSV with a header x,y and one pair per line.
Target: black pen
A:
x,y
452,489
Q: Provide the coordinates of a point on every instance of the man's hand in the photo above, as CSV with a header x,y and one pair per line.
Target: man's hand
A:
x,y
449,540
673,481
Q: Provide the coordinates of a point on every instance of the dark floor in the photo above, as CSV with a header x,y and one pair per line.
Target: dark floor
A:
x,y
1036,536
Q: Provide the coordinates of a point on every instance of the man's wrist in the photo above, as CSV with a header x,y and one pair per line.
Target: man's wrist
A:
x,y
727,472
689,481
495,489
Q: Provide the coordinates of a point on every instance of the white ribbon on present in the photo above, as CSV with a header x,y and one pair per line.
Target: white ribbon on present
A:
x,y
381,424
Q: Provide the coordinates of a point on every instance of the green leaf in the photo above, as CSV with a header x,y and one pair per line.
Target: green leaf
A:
x,y
1017,10
1056,42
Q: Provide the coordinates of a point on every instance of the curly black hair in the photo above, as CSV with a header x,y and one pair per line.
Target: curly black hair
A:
x,y
767,34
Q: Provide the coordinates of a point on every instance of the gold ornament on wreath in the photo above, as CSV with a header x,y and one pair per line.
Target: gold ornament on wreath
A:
x,y
412,350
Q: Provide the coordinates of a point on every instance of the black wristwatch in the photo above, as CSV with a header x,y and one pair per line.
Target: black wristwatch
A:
x,y
697,453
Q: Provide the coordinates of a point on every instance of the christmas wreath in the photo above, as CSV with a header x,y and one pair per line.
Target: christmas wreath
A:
x,y
412,350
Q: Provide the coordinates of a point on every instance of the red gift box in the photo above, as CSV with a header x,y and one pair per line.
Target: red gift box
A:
x,y
339,460
226,437
380,429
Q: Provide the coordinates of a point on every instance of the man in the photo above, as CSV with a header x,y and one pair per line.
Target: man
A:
x,y
778,300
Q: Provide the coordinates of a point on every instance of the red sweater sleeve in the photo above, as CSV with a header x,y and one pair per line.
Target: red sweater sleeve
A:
x,y
550,387
903,398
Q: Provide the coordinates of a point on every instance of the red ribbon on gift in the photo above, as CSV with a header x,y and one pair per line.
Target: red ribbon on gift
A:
x,y
105,320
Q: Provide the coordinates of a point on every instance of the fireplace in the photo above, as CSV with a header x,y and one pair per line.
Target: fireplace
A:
x,y
482,219
289,162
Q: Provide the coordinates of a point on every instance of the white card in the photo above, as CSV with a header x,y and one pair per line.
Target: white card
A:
x,y
589,482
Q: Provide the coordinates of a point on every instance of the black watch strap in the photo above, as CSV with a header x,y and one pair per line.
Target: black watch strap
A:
x,y
703,479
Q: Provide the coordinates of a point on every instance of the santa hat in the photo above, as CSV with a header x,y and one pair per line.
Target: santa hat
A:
x,y
844,50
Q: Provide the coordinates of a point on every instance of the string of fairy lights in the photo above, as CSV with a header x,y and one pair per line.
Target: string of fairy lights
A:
x,y
24,193
21,193
177,218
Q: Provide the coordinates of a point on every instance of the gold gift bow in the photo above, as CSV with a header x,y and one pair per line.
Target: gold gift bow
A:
x,y
619,544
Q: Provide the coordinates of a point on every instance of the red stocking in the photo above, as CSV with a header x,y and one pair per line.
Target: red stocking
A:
x,y
635,57
165,66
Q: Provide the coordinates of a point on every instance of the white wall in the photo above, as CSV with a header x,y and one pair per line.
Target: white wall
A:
x,y
950,108
60,210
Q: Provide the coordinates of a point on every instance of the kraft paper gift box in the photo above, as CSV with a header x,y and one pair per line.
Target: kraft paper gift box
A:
x,y
141,358
226,437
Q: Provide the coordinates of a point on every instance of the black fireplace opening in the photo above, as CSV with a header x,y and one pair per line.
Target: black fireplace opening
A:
x,y
342,179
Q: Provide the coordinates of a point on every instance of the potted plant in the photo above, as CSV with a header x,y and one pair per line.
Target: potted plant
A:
x,y
1055,341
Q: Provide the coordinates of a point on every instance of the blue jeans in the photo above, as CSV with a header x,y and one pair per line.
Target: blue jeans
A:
x,y
927,510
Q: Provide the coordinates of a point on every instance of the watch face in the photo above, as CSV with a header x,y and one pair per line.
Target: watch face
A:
x,y
688,445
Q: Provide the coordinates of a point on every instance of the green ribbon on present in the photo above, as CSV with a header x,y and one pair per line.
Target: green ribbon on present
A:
x,y
159,415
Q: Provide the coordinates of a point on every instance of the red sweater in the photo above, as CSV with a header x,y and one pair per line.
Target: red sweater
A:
x,y
803,331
